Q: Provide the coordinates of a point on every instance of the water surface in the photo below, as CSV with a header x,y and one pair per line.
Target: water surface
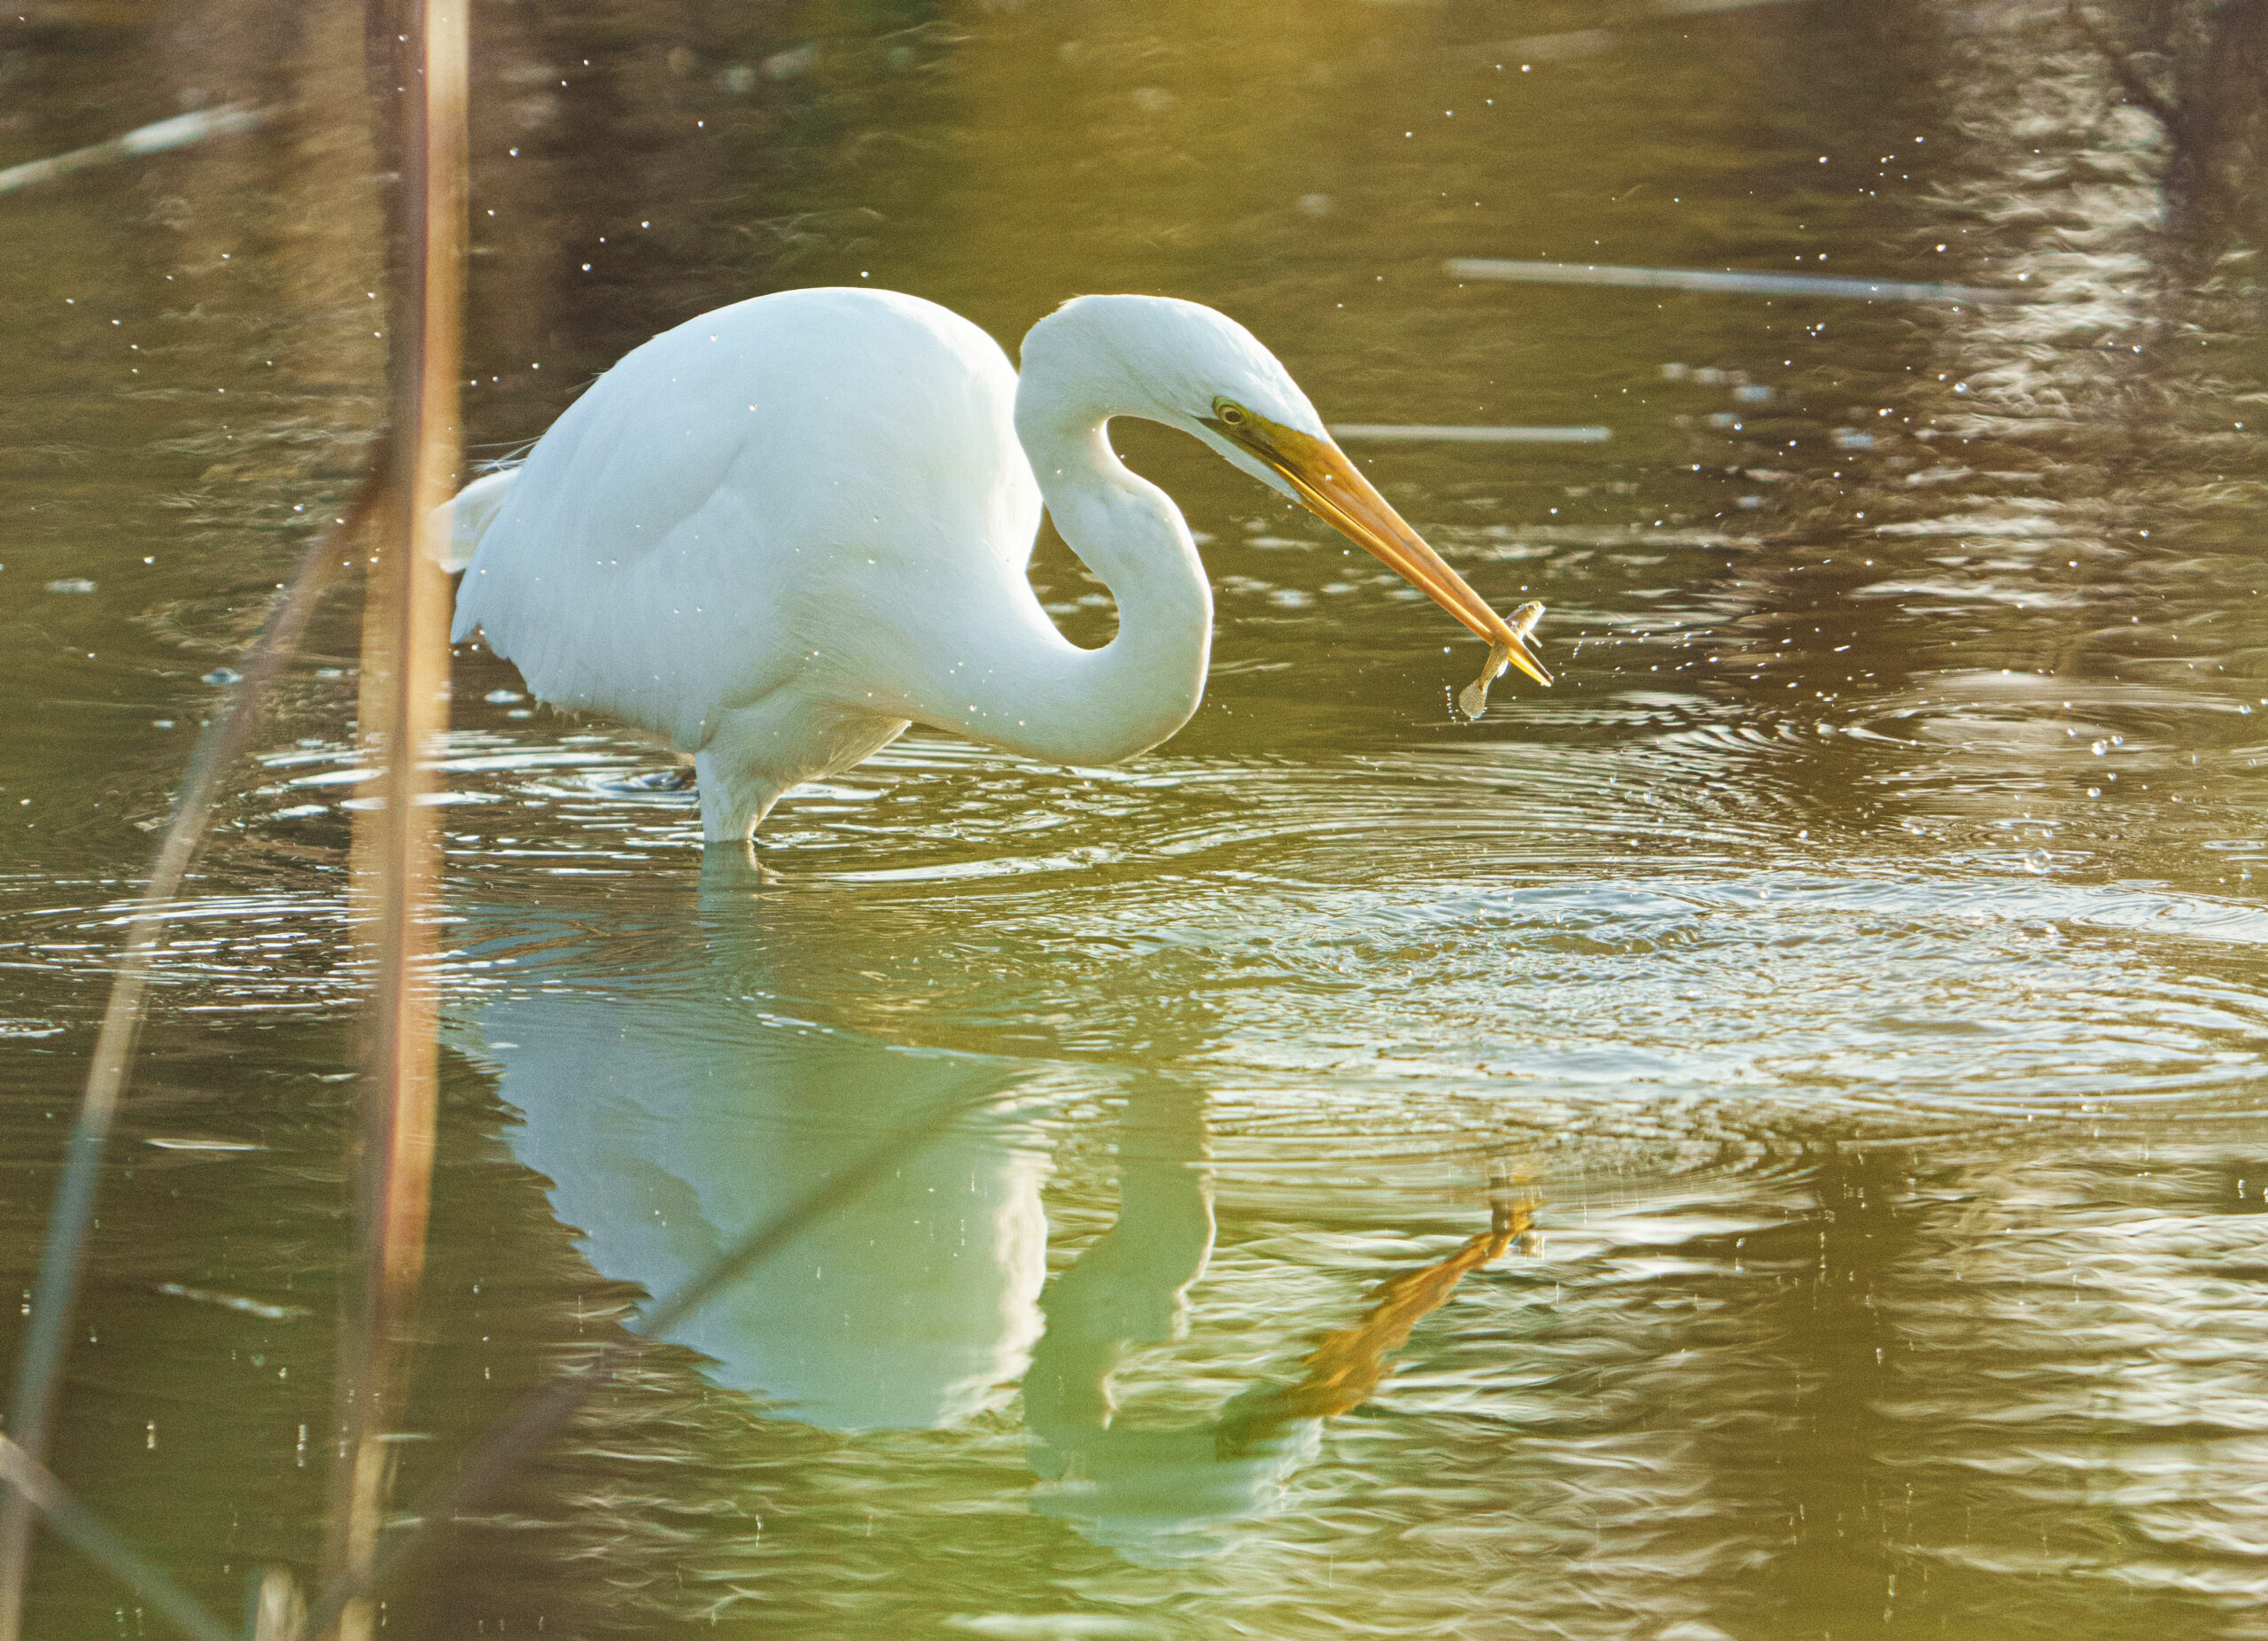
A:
x,y
1854,966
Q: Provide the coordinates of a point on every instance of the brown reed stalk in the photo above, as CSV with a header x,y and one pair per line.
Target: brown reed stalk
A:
x,y
396,868
40,1367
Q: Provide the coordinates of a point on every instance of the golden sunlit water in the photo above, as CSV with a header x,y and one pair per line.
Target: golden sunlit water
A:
x,y
1761,1141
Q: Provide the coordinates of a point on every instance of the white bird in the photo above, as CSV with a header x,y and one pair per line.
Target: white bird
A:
x,y
783,532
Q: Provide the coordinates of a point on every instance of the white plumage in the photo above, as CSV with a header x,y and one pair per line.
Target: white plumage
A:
x,y
781,532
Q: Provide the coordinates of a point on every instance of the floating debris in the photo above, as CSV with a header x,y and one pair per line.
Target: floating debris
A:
x,y
792,63
178,132
1705,279
1420,431
1472,700
223,675
71,584
1557,47
235,1302
1695,8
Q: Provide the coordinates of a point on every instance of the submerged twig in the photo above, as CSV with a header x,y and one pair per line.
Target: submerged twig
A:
x,y
178,132
513,1440
39,1368
1833,285
29,1479
2137,91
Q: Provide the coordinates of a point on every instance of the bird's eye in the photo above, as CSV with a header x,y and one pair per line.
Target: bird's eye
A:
x,y
1231,415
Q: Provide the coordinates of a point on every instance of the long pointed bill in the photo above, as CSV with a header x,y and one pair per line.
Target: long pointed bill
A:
x,y
1319,470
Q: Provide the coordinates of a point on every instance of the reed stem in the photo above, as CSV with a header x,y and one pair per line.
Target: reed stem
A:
x,y
396,852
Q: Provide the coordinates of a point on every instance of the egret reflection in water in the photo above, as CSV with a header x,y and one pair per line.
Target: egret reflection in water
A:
x,y
673,1117
1150,1490
675,1112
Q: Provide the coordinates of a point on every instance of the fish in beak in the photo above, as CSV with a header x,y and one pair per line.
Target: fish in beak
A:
x,y
1320,474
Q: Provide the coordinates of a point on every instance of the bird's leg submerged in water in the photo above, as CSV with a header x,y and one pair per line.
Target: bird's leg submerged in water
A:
x,y
733,798
729,870
758,753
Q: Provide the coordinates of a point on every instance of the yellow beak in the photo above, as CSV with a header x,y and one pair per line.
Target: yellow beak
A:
x,y
1319,470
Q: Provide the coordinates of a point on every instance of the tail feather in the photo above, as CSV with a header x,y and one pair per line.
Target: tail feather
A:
x,y
459,524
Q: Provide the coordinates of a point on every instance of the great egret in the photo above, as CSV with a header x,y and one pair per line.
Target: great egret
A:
x,y
781,533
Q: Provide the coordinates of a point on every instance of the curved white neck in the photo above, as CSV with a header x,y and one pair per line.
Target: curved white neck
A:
x,y
1040,695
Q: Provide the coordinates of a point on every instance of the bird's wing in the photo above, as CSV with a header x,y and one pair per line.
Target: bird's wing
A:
x,y
723,507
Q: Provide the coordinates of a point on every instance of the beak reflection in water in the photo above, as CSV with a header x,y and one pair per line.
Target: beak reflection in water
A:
x,y
672,1120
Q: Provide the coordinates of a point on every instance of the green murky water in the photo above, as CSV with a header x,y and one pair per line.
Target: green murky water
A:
x,y
1857,960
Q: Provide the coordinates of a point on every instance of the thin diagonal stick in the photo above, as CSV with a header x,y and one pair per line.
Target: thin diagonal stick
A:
x,y
39,1370
2139,90
510,1442
28,1479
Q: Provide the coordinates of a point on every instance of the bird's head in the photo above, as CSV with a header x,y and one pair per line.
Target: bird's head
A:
x,y
1192,368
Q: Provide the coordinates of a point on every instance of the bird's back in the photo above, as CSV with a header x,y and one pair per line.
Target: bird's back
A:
x,y
691,533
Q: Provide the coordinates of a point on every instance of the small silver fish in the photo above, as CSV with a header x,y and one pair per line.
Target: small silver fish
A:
x,y
1472,700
